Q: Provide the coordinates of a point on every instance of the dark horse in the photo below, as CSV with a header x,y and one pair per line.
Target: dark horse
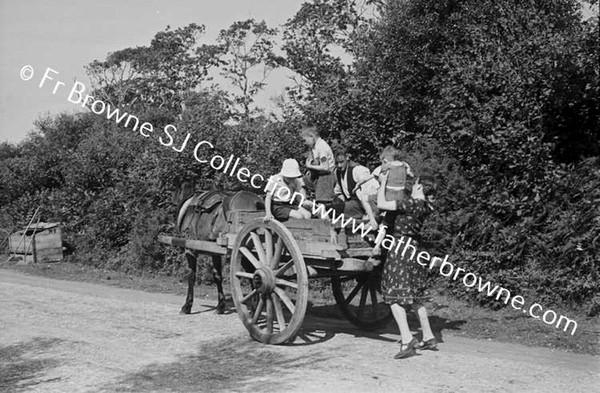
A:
x,y
203,216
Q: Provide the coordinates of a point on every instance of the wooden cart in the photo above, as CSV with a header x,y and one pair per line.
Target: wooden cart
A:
x,y
272,262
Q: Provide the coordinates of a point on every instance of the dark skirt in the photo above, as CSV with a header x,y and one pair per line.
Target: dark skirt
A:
x,y
403,280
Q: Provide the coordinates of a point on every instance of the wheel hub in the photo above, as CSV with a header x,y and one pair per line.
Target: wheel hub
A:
x,y
264,280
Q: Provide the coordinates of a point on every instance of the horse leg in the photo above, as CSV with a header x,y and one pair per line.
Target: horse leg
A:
x,y
192,258
217,271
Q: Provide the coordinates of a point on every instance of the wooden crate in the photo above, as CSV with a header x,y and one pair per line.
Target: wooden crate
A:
x,y
42,241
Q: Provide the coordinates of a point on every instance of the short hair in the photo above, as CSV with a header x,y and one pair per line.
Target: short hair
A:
x,y
390,151
430,178
341,151
309,131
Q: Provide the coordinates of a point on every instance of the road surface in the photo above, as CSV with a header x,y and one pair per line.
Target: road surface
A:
x,y
64,336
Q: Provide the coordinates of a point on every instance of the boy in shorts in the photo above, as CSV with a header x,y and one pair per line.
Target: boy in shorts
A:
x,y
321,166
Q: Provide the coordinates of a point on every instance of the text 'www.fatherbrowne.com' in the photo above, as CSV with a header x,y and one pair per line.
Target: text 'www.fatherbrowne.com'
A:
x,y
76,95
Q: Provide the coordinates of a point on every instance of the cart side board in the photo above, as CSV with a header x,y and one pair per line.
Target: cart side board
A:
x,y
323,245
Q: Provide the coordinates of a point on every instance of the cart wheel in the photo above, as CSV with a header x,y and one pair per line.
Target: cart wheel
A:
x,y
269,283
358,297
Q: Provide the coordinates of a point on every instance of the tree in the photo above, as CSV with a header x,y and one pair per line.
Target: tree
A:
x,y
247,59
504,91
313,32
322,42
158,75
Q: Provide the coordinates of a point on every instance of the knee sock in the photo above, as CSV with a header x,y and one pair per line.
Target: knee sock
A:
x,y
424,320
400,317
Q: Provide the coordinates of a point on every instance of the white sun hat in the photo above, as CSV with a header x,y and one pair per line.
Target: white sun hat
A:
x,y
290,168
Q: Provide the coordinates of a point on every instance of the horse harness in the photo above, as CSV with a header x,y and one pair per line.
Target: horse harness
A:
x,y
207,203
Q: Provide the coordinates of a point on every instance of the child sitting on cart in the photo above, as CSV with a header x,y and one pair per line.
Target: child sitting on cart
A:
x,y
283,190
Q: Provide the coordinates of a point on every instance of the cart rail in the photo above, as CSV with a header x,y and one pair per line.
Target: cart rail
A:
x,y
338,261
205,246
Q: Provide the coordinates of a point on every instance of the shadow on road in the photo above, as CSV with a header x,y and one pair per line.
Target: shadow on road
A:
x,y
322,323
229,307
241,363
20,366
223,365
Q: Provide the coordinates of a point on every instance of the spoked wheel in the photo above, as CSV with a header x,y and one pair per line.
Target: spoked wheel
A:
x,y
269,283
359,298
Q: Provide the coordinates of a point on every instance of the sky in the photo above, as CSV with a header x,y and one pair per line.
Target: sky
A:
x,y
66,35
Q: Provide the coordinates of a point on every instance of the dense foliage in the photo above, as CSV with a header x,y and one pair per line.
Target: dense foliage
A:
x,y
499,99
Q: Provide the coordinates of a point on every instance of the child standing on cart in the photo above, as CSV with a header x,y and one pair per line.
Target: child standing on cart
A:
x,y
320,163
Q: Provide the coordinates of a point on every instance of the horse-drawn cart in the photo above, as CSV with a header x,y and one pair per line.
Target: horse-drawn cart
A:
x,y
272,262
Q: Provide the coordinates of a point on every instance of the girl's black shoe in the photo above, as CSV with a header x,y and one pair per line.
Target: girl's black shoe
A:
x,y
430,345
408,351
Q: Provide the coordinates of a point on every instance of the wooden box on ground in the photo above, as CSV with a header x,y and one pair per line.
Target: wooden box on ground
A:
x,y
43,241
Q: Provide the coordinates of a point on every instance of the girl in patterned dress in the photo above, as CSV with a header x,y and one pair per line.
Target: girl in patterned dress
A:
x,y
404,280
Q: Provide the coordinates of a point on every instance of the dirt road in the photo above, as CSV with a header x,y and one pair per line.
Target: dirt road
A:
x,y
68,336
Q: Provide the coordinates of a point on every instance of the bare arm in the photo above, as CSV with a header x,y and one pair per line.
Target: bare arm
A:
x,y
364,200
268,214
322,168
